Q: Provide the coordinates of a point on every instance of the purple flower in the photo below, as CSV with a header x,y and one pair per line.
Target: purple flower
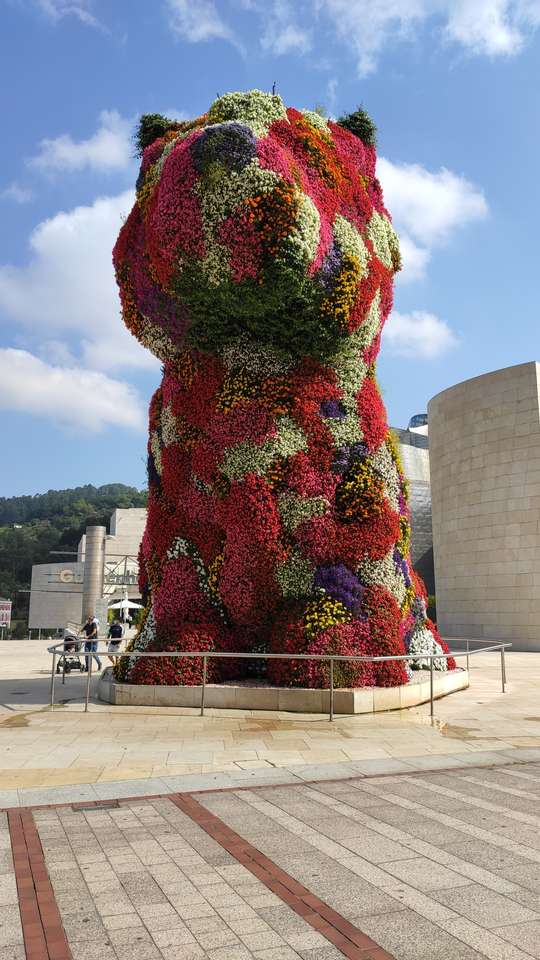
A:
x,y
402,566
341,583
346,455
231,144
330,267
333,409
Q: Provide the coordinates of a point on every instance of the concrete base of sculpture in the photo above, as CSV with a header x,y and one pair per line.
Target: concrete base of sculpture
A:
x,y
284,699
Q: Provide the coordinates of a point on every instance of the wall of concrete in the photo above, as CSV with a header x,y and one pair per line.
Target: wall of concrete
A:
x,y
55,595
484,439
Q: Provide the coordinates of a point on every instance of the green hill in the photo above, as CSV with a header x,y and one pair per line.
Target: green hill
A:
x,y
32,526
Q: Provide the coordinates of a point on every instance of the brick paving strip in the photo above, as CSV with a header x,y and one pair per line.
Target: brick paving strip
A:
x,y
160,880
44,937
448,860
334,927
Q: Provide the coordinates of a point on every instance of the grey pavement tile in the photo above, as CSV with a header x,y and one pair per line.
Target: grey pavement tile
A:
x,y
38,795
488,856
307,940
485,941
137,951
191,782
135,934
129,788
381,765
173,937
527,874
237,912
425,874
192,952
10,932
92,950
523,935
13,952
253,924
409,937
322,953
8,890
217,938
230,953
375,848
121,922
262,940
282,953
83,928
324,771
483,906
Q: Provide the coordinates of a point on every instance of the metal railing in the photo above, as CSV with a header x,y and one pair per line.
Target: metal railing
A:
x,y
329,658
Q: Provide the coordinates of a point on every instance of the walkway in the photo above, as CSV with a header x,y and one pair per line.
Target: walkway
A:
x,y
418,867
144,834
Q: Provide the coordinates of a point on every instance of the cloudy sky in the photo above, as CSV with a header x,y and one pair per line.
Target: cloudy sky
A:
x,y
451,85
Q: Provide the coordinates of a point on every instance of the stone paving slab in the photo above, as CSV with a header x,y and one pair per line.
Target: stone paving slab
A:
x,y
426,884
144,882
110,745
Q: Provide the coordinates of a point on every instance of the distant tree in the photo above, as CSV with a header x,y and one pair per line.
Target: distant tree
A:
x,y
55,520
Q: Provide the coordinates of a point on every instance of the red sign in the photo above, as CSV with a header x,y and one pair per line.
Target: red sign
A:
x,y
5,613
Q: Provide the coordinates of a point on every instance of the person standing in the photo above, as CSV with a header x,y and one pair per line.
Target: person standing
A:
x,y
116,632
91,643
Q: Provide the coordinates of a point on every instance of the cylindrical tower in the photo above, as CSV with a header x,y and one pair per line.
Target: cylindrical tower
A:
x,y
484,441
94,559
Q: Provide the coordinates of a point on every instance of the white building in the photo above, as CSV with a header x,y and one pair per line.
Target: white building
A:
x,y
56,592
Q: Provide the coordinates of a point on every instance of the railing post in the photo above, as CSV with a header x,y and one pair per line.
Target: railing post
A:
x,y
503,671
53,671
331,717
88,679
203,688
431,686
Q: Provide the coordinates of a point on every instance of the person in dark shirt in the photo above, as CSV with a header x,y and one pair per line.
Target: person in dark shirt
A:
x,y
116,632
91,642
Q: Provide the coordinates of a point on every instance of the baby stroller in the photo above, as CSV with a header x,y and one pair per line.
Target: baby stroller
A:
x,y
71,659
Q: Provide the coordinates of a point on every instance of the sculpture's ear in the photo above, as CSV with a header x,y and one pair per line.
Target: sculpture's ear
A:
x,y
361,124
151,127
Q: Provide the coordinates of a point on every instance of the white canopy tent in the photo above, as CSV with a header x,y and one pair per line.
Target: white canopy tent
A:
x,y
125,605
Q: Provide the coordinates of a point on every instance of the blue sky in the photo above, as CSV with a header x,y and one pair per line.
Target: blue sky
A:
x,y
452,86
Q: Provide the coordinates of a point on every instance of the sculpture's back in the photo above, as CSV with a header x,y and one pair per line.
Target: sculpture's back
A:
x,y
257,263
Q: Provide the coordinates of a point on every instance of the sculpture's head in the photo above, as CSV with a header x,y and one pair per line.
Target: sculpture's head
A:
x,y
260,221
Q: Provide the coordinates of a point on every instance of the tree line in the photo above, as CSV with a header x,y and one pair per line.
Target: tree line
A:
x,y
33,526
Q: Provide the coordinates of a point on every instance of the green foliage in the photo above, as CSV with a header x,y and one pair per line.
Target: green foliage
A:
x,y
31,527
432,607
151,127
361,124
220,314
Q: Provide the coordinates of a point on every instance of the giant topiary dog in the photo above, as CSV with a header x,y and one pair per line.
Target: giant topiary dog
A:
x,y
257,263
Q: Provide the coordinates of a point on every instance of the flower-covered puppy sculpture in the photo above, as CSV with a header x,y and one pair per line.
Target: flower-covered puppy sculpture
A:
x,y
257,264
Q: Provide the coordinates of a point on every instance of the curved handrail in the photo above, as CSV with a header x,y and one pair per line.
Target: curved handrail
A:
x,y
59,649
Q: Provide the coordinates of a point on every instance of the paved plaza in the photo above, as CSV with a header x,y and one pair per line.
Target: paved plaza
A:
x,y
153,834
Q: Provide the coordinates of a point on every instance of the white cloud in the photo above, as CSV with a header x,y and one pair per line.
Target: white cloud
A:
x,y
486,27
70,396
427,208
68,285
82,10
109,149
492,27
198,21
282,33
16,193
367,25
418,334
